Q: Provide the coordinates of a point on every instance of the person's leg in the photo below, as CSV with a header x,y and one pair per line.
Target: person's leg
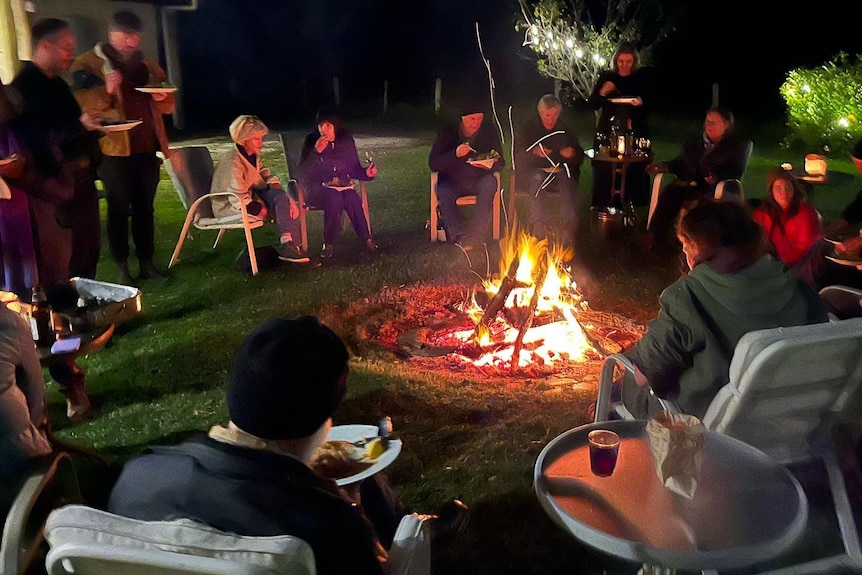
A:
x,y
601,185
145,168
116,177
538,225
485,189
71,380
331,203
87,231
382,507
447,197
671,200
568,190
278,204
353,208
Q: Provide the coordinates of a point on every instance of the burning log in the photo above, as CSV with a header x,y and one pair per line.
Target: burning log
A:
x,y
528,321
499,300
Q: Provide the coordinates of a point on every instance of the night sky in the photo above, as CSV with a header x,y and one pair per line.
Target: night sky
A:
x,y
276,58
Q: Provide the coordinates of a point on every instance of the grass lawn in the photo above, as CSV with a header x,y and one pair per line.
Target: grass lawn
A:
x,y
164,375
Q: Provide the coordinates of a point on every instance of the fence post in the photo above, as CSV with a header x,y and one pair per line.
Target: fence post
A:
x,y
557,87
438,91
714,94
385,96
336,91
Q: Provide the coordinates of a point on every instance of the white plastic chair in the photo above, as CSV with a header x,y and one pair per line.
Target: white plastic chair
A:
x,y
787,389
87,541
842,302
191,171
720,187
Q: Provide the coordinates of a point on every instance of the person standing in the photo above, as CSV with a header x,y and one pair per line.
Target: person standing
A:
x,y
456,144
619,93
61,138
548,144
105,80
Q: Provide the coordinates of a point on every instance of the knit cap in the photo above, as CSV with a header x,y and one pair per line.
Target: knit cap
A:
x,y
246,126
289,376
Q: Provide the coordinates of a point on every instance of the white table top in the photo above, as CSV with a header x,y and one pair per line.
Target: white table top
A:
x,y
747,508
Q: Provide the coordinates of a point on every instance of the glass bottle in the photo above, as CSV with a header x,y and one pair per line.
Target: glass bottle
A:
x,y
629,135
40,318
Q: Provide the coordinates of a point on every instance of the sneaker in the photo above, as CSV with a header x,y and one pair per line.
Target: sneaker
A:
x,y
290,252
370,246
326,252
451,519
124,276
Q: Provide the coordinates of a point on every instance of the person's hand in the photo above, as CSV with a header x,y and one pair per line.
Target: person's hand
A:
x,y
463,149
710,178
321,143
850,245
541,151
273,182
293,209
14,169
607,88
91,120
568,152
159,96
637,101
113,79
371,170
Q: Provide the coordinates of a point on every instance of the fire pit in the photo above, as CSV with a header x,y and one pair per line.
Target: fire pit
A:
x,y
533,313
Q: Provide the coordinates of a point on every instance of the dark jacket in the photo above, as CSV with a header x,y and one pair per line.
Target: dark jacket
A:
x,y
637,84
248,492
338,160
727,160
533,131
451,168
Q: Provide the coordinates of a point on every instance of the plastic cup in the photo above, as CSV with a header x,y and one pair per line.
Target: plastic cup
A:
x,y
604,449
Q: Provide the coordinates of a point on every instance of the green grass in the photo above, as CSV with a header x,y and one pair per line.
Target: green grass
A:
x,y
164,375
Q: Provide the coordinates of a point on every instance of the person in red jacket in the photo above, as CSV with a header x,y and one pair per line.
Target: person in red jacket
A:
x,y
792,225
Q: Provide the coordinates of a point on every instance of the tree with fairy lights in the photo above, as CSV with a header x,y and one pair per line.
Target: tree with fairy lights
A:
x,y
574,40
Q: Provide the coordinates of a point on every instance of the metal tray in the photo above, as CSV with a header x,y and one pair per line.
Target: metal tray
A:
x,y
106,303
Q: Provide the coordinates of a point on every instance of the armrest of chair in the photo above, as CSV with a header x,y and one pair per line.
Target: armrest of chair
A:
x,y
722,187
606,383
656,190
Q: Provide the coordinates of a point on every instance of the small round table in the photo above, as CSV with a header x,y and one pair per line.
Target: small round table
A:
x,y
619,166
747,508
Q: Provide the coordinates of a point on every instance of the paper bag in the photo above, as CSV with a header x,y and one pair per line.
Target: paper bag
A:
x,y
676,443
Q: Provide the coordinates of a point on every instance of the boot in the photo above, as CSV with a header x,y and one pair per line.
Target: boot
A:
x,y
124,276
150,272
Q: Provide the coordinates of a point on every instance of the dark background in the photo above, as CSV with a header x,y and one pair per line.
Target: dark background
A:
x,y
276,58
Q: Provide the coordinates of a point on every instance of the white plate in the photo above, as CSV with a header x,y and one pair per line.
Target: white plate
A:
x,y
487,163
157,89
843,262
356,432
628,100
552,170
9,160
121,127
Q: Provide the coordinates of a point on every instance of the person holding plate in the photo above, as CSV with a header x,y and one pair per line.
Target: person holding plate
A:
x,y
106,80
621,100
252,476
551,155
456,146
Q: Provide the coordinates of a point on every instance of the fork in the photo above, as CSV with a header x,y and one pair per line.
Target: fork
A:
x,y
384,433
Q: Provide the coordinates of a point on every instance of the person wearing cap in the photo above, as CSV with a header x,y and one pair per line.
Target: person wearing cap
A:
x,y
546,143
456,144
240,170
105,80
328,164
252,477
63,143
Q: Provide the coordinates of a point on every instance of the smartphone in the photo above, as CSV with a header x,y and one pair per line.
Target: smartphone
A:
x,y
66,345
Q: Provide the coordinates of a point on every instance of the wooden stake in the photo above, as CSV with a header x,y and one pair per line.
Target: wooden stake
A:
x,y
528,321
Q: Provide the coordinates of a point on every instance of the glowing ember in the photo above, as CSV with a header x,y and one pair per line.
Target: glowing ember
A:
x,y
504,326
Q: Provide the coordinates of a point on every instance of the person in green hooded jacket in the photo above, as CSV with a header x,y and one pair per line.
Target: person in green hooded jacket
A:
x,y
734,287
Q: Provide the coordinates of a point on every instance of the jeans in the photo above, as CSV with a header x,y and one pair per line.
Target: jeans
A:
x,y
448,192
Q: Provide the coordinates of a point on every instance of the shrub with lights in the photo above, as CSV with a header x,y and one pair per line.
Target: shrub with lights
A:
x,y
824,105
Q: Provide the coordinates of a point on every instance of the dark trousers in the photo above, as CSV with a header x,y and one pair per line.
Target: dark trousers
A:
x,y
86,230
637,184
130,188
670,202
484,188
278,204
333,202
540,184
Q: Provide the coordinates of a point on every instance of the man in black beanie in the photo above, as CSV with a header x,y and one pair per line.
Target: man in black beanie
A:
x,y
457,144
252,477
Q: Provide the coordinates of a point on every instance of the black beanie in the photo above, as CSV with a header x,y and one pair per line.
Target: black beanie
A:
x,y
287,379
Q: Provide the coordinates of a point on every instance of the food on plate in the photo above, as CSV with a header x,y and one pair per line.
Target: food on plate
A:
x,y
339,459
492,155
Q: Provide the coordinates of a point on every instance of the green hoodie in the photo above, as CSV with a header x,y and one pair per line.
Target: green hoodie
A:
x,y
687,349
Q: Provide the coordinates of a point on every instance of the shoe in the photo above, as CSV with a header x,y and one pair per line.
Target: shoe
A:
x,y
451,519
370,246
149,272
124,276
326,252
290,252
78,408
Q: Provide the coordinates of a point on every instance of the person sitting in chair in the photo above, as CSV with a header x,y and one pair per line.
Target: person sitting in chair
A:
x,y
734,287
716,154
455,146
240,170
329,164
547,145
